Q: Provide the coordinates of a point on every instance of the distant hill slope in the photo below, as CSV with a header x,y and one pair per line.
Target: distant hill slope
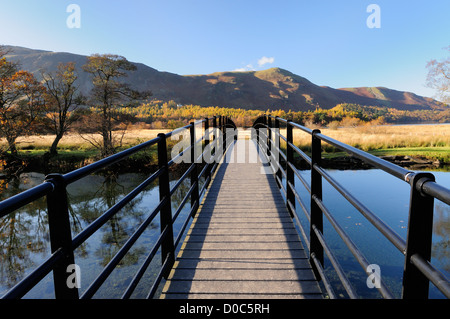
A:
x,y
274,88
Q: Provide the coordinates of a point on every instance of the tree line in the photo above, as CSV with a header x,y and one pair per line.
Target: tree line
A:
x,y
160,114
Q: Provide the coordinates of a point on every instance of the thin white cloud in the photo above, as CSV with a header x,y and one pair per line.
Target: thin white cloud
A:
x,y
248,67
265,60
261,62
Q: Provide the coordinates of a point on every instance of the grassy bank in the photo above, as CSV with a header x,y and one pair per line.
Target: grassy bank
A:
x,y
426,141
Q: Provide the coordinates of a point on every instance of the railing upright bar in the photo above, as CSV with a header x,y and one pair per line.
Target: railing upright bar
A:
x,y
214,125
316,212
224,135
194,173
167,246
61,237
278,167
207,135
257,137
419,237
269,136
290,178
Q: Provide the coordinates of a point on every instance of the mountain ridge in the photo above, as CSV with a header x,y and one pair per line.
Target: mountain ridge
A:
x,y
273,88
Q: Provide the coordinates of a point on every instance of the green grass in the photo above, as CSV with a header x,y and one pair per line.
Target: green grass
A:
x,y
435,153
62,153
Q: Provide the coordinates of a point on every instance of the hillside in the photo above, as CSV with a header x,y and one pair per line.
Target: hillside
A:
x,y
274,88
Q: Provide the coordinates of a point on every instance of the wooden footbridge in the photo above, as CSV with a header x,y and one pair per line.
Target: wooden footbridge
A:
x,y
242,236
242,242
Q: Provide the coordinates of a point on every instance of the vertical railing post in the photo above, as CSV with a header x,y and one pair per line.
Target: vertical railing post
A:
x,y
265,132
316,192
207,135
290,197
61,237
194,172
257,136
220,129
224,134
215,140
277,154
167,245
419,237
269,137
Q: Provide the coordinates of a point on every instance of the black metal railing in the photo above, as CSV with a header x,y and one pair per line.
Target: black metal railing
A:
x,y
418,271
61,242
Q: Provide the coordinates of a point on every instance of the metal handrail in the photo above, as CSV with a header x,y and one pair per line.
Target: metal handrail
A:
x,y
418,271
54,188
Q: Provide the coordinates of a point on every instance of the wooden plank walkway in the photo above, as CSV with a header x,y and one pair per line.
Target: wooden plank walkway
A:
x,y
242,242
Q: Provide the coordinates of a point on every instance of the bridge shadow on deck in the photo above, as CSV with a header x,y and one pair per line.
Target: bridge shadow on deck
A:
x,y
242,243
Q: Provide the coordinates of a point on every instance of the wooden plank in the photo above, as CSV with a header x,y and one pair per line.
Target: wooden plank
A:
x,y
244,263
242,231
242,243
242,274
224,245
242,238
243,286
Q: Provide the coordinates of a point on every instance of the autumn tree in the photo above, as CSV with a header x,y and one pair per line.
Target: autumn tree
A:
x,y
439,77
21,101
62,100
109,93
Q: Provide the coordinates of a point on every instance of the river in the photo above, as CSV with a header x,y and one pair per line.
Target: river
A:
x,y
25,243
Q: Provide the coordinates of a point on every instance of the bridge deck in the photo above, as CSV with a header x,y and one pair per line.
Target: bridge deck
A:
x,y
242,242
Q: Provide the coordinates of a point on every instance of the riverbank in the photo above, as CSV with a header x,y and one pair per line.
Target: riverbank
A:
x,y
66,161
415,147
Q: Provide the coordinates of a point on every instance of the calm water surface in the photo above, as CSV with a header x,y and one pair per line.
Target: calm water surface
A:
x,y
24,239
388,198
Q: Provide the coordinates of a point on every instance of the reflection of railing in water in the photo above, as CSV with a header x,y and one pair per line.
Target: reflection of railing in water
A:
x,y
418,271
63,246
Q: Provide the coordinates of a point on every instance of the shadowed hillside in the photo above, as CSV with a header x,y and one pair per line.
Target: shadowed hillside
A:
x,y
274,88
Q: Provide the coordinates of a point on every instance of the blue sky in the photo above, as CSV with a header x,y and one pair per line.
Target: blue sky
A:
x,y
327,41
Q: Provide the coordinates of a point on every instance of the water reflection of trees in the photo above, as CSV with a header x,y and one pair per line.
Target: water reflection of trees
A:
x,y
441,233
24,233
120,226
